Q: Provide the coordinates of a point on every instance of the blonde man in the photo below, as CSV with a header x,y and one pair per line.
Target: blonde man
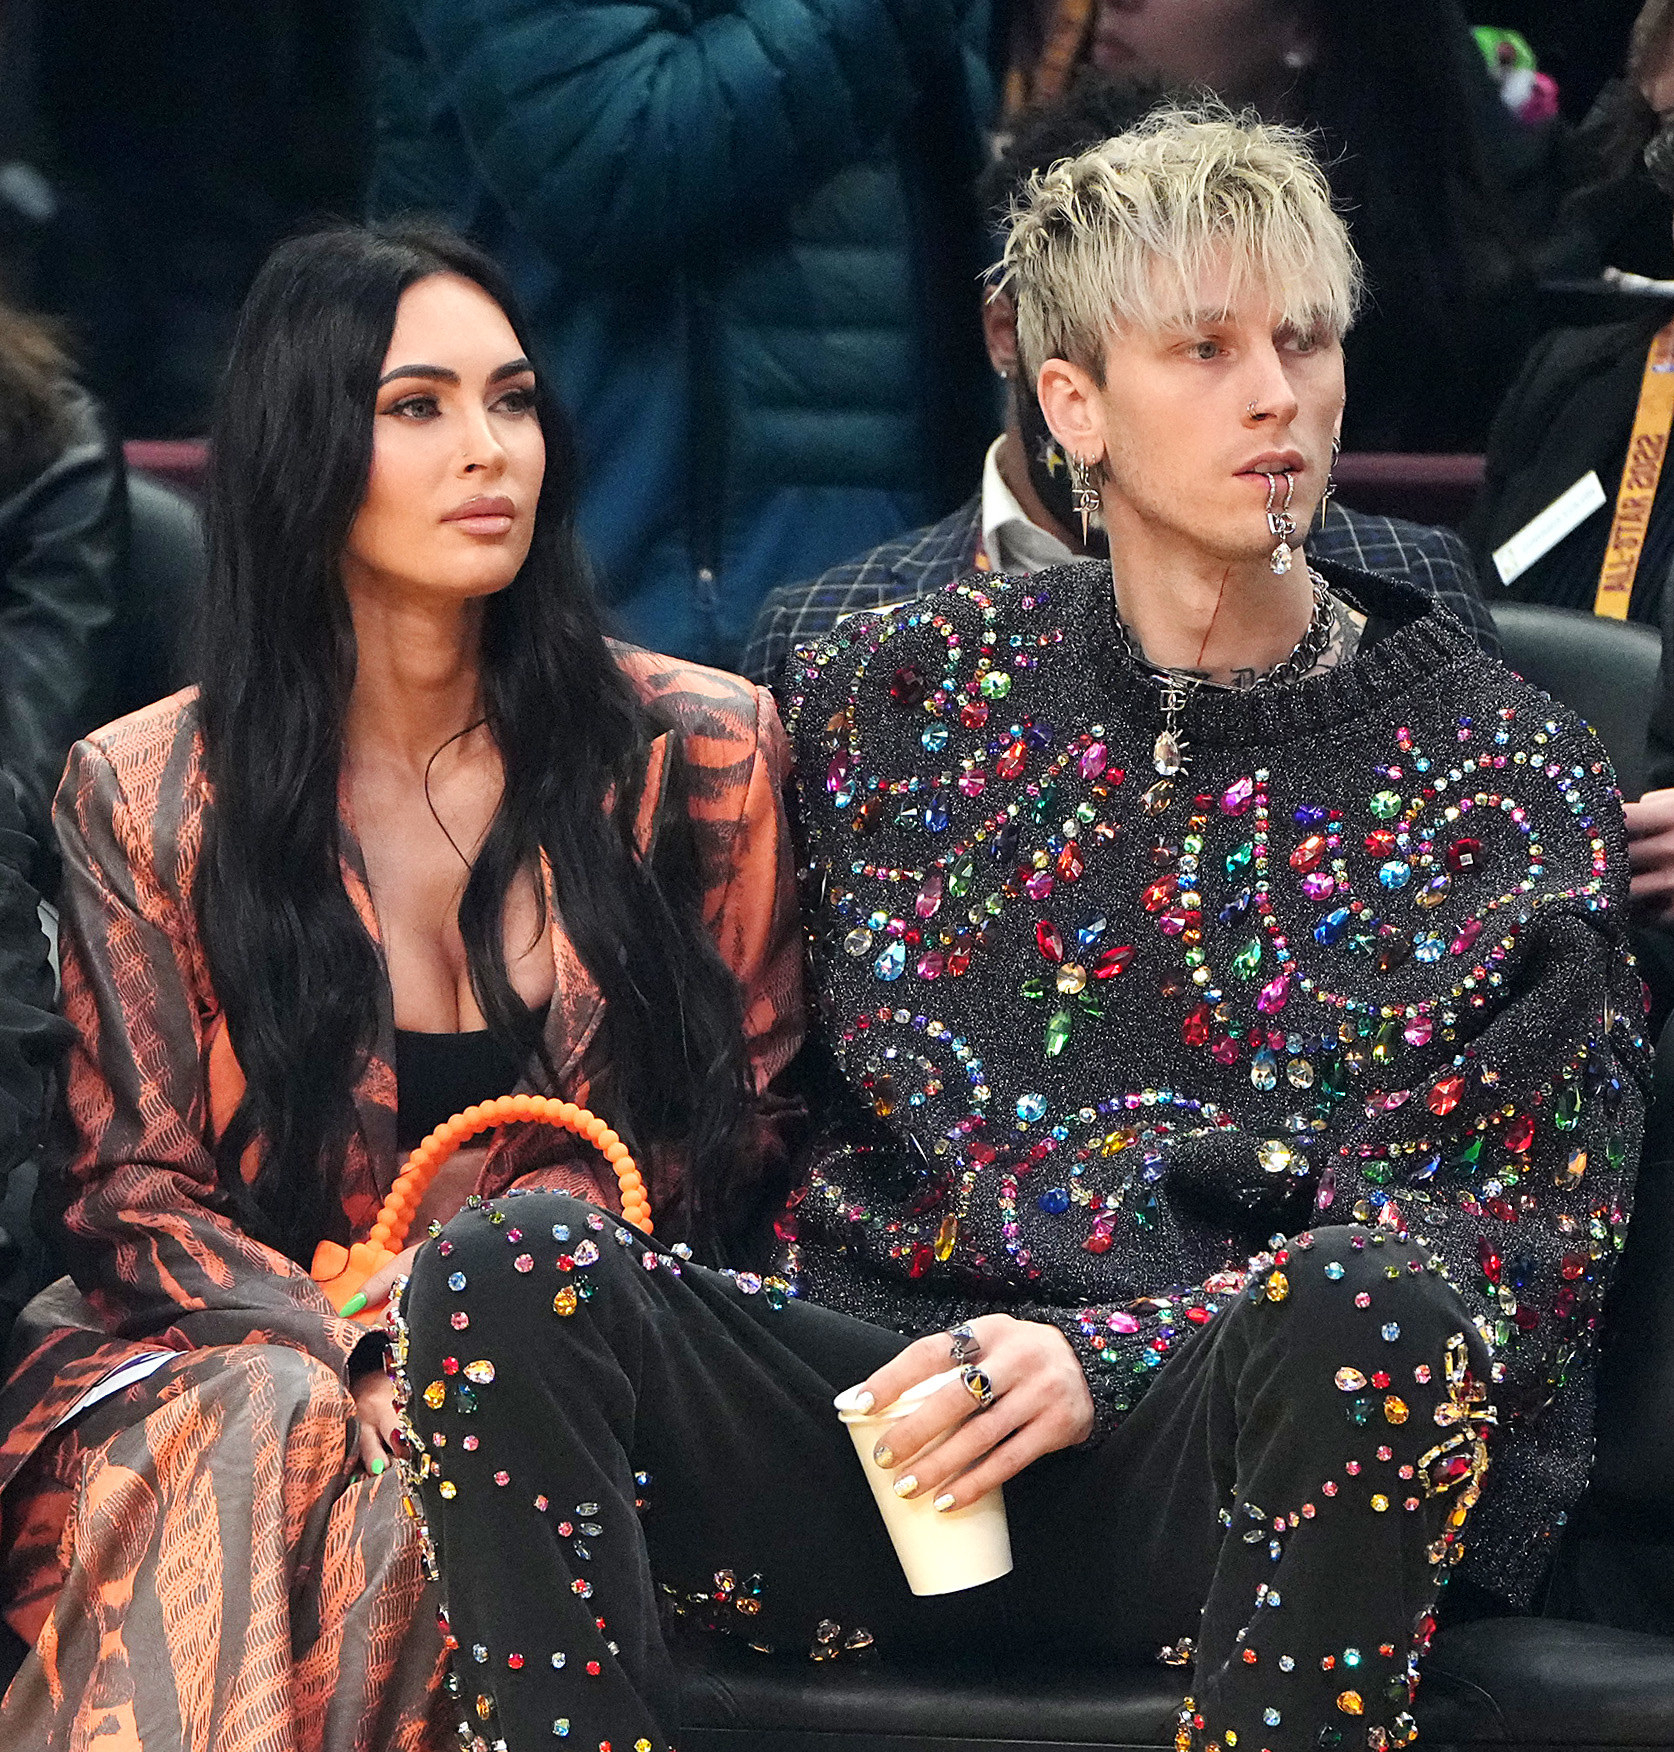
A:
x,y
1220,967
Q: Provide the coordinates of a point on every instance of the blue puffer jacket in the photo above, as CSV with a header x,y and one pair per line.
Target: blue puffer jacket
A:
x,y
744,233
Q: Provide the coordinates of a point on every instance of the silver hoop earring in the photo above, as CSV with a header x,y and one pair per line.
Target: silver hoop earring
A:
x,y
1280,523
1084,494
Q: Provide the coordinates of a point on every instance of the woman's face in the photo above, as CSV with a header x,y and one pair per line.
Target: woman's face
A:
x,y
1192,423
457,451
1246,50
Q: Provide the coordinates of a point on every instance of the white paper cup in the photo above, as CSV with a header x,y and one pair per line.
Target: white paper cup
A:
x,y
941,1551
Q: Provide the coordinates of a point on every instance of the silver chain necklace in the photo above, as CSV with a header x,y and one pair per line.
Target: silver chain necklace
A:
x,y
1170,752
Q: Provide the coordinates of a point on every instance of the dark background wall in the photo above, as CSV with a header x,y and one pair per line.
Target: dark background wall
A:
x,y
177,140
182,139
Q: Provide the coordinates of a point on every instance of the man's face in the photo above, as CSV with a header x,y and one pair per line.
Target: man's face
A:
x,y
1238,48
1196,420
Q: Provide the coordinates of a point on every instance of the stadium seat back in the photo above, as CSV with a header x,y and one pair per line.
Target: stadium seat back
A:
x,y
168,566
1603,669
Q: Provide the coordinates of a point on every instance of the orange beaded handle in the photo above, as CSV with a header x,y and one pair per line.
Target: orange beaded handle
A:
x,y
341,1271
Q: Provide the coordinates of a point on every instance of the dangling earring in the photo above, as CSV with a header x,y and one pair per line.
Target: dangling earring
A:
x,y
1280,523
1330,482
1084,495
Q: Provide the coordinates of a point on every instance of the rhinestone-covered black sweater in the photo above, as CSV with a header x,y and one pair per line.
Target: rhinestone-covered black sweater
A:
x,y
1103,1035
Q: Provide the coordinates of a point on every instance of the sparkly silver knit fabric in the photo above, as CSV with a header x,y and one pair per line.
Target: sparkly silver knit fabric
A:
x,y
1103,1035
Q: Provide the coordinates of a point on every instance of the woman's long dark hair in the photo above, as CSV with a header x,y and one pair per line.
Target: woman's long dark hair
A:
x,y
290,960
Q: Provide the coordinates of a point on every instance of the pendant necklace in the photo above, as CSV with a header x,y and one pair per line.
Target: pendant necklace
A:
x,y
1171,752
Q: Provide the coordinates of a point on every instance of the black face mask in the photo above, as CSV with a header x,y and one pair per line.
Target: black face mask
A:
x,y
1659,156
1049,470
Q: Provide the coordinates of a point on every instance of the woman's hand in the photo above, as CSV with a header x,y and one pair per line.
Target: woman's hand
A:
x,y
375,1291
1041,1404
380,1439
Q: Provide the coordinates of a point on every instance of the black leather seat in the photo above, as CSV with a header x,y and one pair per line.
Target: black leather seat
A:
x,y
1605,670
157,616
1509,1682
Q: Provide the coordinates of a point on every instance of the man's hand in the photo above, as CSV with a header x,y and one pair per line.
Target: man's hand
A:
x,y
1650,825
1041,1404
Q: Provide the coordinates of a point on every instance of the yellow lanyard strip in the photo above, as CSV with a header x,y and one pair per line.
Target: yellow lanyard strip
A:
x,y
1640,474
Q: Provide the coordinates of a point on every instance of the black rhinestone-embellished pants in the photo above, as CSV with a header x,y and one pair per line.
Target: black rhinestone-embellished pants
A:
x,y
611,1436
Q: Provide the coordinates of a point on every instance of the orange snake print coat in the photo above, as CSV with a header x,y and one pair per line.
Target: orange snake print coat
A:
x,y
152,1078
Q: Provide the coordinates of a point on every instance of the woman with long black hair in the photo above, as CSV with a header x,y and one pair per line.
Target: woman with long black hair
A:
x,y
423,837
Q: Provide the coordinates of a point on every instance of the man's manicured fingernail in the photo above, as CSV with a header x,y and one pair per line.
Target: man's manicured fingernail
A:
x,y
378,1466
863,1402
945,1501
354,1305
884,1454
905,1485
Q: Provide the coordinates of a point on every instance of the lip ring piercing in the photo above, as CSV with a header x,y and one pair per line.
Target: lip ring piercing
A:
x,y
1280,523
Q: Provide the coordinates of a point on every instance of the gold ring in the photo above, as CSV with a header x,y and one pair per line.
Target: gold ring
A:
x,y
977,1384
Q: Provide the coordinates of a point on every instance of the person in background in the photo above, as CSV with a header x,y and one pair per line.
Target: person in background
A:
x,y
309,913
1583,395
1444,187
63,548
1021,519
33,1039
1650,827
745,234
1616,215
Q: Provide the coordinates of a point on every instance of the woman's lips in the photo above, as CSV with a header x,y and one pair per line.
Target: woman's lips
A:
x,y
484,515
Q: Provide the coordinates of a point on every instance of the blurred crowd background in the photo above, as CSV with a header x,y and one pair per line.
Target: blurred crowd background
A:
x,y
749,232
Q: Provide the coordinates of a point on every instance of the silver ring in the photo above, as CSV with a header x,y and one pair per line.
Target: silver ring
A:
x,y
977,1384
967,1347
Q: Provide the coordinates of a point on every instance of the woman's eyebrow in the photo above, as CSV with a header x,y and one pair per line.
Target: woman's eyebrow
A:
x,y
443,374
437,373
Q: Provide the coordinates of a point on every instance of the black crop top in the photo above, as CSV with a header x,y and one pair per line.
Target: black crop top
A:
x,y
439,1075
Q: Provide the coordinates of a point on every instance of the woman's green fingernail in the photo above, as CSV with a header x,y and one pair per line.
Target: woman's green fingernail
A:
x,y
378,1466
354,1305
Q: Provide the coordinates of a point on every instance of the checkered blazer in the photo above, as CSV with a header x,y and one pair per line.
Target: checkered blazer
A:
x,y
923,560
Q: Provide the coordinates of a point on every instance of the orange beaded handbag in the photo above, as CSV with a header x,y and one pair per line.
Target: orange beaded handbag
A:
x,y
342,1271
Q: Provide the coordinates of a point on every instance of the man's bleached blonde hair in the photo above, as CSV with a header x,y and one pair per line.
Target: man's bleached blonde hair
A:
x,y
1126,234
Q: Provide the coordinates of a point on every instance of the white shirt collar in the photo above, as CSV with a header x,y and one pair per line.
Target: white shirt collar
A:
x,y
1011,541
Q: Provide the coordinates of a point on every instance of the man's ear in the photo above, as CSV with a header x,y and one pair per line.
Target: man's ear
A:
x,y
999,330
1073,408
